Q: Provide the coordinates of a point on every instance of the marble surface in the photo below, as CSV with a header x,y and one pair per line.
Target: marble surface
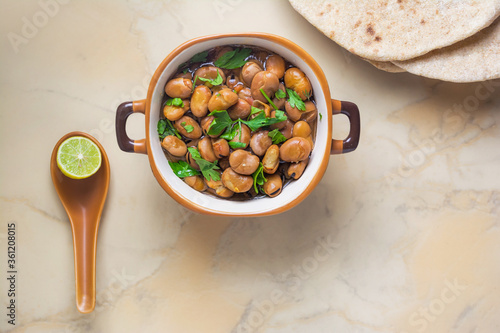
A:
x,y
401,235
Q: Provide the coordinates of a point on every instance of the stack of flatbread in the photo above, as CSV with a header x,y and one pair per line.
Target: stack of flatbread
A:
x,y
450,40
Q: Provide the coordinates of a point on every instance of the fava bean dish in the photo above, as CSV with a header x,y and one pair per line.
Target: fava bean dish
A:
x,y
238,122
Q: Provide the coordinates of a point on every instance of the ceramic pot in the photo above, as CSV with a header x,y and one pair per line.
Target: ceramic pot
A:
x,y
201,202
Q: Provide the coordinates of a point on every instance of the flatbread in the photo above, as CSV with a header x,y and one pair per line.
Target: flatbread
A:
x,y
386,66
387,30
475,59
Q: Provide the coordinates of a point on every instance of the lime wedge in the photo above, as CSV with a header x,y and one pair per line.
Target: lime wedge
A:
x,y
78,157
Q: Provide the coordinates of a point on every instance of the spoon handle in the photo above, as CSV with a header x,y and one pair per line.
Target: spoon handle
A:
x,y
84,243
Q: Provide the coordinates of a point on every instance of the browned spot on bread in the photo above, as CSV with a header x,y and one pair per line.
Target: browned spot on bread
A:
x,y
422,22
369,30
378,39
357,24
332,34
321,13
400,1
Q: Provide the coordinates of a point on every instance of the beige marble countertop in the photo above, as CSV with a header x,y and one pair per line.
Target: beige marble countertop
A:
x,y
401,235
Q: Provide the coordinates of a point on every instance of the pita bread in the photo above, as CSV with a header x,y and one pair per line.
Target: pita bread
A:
x,y
386,66
387,30
475,59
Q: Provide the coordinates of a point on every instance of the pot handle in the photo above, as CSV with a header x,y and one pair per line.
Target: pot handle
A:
x,y
352,112
124,142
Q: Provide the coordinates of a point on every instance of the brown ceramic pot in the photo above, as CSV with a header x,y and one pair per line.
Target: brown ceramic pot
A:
x,y
200,202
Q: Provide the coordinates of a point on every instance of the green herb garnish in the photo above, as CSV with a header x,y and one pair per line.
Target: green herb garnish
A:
x,y
280,94
233,59
183,169
307,94
258,178
175,102
194,83
165,128
200,57
276,136
236,145
207,168
295,100
220,122
261,120
254,110
320,117
188,128
268,99
214,82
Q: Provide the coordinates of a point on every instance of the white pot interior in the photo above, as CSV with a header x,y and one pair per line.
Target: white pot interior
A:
x,y
212,203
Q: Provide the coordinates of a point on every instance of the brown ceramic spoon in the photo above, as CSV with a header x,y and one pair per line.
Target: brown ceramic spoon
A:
x,y
83,200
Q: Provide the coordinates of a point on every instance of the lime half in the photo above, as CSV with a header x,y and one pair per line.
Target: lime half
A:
x,y
78,157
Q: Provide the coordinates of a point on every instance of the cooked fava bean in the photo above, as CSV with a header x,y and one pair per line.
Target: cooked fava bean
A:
x,y
179,88
206,150
236,182
311,141
174,145
262,106
275,64
244,137
295,170
292,113
302,129
239,110
205,123
172,112
266,81
310,113
191,161
218,188
249,70
246,94
273,186
196,182
271,159
287,130
199,100
296,79
233,81
261,56
295,150
243,162
186,75
220,147
260,142
222,100
208,72
188,127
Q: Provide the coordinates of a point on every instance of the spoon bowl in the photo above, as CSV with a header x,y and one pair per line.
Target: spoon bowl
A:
x,y
83,200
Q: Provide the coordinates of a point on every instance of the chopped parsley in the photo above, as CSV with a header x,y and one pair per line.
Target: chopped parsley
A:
x,y
221,121
258,178
233,59
276,136
200,57
175,102
320,117
280,94
183,169
188,128
165,128
214,82
207,168
295,100
261,120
